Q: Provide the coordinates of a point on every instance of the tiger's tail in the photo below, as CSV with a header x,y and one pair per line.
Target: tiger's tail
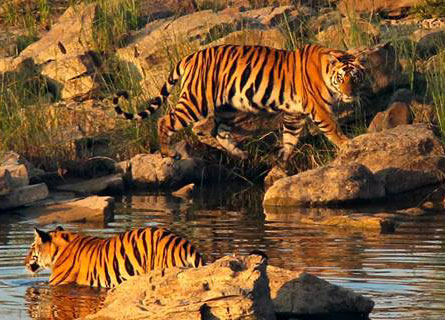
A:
x,y
153,104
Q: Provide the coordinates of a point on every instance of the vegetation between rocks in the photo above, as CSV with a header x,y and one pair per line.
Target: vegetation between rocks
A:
x,y
34,116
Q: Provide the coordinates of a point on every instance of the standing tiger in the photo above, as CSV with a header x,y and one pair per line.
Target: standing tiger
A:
x,y
225,80
96,262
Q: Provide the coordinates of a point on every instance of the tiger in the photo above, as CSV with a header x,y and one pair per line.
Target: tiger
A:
x,y
97,262
227,81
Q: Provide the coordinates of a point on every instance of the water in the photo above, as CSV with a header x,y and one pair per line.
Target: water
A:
x,y
403,272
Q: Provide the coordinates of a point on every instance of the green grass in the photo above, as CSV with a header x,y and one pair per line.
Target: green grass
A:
x,y
430,9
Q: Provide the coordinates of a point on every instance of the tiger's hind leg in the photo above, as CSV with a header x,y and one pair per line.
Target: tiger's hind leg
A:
x,y
293,126
179,118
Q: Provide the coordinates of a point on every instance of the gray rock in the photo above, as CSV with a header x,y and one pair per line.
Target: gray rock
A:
x,y
5,182
230,288
326,185
152,170
300,293
90,209
403,158
23,196
112,184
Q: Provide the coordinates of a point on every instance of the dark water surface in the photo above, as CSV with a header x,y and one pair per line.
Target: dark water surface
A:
x,y
403,272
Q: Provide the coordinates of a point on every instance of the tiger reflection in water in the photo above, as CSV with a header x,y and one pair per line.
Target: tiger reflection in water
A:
x,y
63,302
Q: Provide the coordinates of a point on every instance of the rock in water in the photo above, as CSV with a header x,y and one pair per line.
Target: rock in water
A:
x,y
230,288
325,185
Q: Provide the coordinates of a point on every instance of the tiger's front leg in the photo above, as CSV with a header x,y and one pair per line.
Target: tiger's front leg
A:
x,y
328,125
293,126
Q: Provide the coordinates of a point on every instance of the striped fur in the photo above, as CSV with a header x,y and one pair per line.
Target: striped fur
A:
x,y
96,262
226,80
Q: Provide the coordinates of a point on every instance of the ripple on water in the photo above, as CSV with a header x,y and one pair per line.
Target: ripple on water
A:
x,y
403,272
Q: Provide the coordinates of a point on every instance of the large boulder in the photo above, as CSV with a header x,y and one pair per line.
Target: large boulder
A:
x,y
325,185
300,293
230,288
403,158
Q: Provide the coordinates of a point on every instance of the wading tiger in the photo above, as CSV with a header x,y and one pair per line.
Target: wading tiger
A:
x,y
97,262
225,81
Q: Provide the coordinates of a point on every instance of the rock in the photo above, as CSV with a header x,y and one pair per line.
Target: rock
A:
x,y
276,173
110,184
300,293
5,182
398,113
71,36
271,38
229,288
346,182
17,166
90,209
338,35
429,42
70,75
403,158
154,171
23,196
385,8
382,68
185,192
18,174
340,218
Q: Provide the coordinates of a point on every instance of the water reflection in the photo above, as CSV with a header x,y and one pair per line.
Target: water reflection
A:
x,y
62,302
403,272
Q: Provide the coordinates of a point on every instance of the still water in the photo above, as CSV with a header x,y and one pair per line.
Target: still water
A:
x,y
403,272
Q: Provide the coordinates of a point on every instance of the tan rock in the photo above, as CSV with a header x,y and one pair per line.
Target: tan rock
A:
x,y
398,113
72,35
90,209
340,218
403,158
230,288
326,185
384,7
276,173
271,38
185,192
152,170
23,196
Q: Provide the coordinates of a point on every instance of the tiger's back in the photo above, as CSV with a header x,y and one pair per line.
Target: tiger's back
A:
x,y
97,262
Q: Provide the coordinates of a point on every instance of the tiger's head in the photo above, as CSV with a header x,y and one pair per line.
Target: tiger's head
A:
x,y
345,75
46,248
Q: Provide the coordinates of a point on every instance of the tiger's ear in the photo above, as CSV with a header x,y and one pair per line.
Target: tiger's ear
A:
x,y
41,235
59,228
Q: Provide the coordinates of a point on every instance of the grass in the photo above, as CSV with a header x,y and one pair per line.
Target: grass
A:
x,y
430,9
27,126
